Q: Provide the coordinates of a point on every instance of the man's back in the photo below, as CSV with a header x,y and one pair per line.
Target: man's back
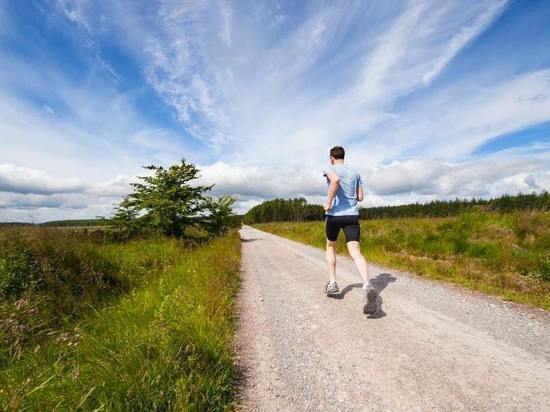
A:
x,y
345,201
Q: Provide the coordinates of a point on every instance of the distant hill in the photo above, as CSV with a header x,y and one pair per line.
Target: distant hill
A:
x,y
77,222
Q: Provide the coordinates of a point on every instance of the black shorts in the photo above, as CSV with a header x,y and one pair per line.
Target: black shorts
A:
x,y
349,223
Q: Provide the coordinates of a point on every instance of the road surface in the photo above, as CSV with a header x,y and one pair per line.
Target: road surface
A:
x,y
431,346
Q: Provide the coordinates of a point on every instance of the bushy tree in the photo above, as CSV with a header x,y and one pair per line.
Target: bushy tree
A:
x,y
167,203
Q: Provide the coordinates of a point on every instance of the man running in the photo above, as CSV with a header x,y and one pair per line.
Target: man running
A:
x,y
345,188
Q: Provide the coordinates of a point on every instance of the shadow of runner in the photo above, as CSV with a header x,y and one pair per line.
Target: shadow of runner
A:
x,y
380,282
344,291
248,240
379,312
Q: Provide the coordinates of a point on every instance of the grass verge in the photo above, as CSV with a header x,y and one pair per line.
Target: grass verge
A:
x,y
164,343
507,255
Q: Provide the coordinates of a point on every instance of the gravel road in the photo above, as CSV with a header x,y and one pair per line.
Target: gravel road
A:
x,y
431,346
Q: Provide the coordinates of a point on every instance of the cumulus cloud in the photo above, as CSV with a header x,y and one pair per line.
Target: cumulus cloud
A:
x,y
29,193
18,179
265,182
492,176
395,183
117,187
33,201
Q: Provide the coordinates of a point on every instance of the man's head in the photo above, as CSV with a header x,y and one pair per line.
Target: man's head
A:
x,y
337,154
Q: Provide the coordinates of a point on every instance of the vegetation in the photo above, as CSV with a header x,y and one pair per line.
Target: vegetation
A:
x,y
507,255
141,325
282,210
298,210
166,203
88,322
76,222
443,208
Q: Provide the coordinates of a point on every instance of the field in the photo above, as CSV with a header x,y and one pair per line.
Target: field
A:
x,y
95,325
503,254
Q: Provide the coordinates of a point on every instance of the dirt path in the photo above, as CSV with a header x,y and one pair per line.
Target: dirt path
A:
x,y
431,347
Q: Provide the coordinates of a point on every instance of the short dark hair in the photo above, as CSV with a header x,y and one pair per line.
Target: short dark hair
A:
x,y
337,152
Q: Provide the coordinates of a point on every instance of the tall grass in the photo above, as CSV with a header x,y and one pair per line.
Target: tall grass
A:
x,y
50,278
507,255
159,340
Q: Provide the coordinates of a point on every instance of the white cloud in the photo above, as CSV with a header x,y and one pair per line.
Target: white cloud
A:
x,y
274,92
395,183
26,180
494,175
266,91
32,201
264,182
117,187
455,120
465,35
96,134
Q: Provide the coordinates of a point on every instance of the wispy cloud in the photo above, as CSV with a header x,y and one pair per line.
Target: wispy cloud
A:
x,y
257,92
454,120
275,92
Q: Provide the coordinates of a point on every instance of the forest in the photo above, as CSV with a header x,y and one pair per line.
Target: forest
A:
x,y
299,210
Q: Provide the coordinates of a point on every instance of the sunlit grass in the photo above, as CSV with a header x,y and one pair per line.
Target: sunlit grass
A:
x,y
507,255
163,342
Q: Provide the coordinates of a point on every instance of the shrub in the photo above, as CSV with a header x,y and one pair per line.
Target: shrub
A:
x,y
167,203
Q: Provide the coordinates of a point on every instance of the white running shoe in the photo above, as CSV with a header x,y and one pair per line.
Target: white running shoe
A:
x,y
331,287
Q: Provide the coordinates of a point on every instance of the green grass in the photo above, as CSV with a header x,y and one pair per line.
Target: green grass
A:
x,y
161,339
507,255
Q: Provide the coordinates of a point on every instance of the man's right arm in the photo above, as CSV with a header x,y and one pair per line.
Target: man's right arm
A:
x,y
360,194
332,188
360,191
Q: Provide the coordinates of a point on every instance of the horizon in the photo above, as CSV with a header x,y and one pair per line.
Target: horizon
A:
x,y
466,200
431,100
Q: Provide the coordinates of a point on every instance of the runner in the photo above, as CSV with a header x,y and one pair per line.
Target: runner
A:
x,y
345,188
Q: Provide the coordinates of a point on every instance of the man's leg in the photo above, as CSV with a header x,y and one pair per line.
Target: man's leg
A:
x,y
331,260
352,231
358,259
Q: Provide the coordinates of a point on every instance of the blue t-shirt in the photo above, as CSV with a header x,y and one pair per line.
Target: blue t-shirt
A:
x,y
345,201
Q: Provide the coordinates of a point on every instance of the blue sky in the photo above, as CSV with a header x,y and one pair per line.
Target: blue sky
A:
x,y
431,99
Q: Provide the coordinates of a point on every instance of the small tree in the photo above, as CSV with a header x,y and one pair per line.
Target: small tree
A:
x,y
165,202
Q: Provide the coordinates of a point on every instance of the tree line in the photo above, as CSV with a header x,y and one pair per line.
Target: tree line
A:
x,y
284,210
443,208
279,210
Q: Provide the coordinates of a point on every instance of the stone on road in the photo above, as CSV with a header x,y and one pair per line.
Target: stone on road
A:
x,y
431,346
